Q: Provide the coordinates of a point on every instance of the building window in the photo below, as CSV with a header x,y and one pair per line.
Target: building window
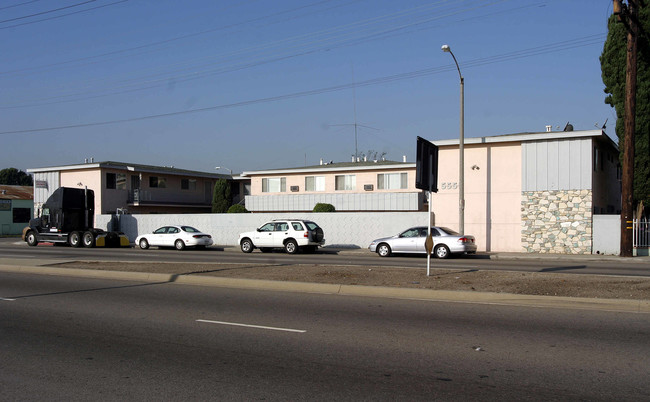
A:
x,y
315,183
274,185
188,184
346,182
157,182
110,181
22,215
116,181
392,181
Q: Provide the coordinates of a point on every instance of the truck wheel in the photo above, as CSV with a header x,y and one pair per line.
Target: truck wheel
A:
x,y
89,239
75,239
144,244
246,246
31,239
179,244
291,247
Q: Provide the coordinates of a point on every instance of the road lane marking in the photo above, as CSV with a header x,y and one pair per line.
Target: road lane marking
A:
x,y
252,326
5,299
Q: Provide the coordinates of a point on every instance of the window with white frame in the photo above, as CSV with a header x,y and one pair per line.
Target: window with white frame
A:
x,y
274,185
345,182
392,181
315,183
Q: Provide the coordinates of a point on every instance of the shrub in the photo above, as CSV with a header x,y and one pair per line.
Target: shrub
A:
x,y
322,207
237,209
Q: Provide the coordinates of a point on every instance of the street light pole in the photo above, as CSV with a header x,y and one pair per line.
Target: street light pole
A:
x,y
461,148
221,167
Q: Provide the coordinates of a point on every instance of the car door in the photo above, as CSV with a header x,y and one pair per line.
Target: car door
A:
x,y
407,241
264,235
280,233
157,238
171,235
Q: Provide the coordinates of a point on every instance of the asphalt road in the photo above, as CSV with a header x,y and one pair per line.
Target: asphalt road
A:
x,y
14,248
65,338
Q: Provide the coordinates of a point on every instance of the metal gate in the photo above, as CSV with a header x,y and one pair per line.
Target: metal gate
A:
x,y
641,233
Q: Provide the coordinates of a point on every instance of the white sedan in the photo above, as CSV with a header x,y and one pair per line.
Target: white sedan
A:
x,y
178,237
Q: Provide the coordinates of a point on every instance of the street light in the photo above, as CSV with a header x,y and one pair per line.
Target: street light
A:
x,y
461,148
220,167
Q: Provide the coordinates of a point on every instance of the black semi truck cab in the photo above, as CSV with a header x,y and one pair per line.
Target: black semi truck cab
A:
x,y
67,217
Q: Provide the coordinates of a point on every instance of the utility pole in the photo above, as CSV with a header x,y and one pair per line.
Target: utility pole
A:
x,y
628,14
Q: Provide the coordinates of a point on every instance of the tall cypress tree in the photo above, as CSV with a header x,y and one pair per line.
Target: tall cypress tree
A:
x,y
613,67
221,198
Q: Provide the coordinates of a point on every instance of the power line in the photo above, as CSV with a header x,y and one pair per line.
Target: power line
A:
x,y
64,15
47,12
539,50
19,4
334,40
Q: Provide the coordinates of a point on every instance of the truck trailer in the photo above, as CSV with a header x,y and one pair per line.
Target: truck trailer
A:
x,y
67,217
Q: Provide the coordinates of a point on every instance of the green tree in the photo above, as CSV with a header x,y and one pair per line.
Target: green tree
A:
x,y
323,207
15,177
221,198
613,67
237,209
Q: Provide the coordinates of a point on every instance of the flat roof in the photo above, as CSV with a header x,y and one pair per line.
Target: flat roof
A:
x,y
523,137
133,167
336,167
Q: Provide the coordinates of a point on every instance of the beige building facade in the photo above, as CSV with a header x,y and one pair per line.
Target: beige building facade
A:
x,y
131,188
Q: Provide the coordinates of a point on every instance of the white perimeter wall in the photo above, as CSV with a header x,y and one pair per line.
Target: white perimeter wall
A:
x,y
606,234
354,229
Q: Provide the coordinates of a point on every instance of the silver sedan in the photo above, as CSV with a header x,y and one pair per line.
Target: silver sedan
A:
x,y
445,242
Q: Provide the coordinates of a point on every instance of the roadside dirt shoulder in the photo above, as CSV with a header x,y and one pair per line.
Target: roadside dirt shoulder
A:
x,y
541,284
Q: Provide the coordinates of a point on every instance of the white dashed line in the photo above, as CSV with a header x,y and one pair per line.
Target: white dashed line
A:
x,y
252,326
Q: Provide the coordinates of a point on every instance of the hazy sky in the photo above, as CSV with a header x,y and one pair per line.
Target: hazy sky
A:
x,y
261,84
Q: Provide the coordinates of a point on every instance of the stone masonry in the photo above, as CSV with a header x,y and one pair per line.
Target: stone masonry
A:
x,y
556,221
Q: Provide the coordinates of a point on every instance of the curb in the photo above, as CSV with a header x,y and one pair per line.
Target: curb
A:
x,y
502,299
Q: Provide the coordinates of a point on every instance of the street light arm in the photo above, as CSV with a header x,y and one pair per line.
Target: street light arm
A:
x,y
447,49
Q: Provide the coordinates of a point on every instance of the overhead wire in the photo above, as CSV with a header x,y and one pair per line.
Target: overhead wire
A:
x,y
313,45
65,15
539,50
47,12
18,5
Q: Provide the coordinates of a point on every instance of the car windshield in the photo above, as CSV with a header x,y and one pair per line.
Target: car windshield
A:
x,y
189,229
449,231
311,225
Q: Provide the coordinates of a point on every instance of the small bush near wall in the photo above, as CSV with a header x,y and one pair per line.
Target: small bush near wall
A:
x,y
322,207
237,209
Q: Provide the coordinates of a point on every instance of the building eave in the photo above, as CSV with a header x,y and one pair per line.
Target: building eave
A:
x,y
329,169
523,137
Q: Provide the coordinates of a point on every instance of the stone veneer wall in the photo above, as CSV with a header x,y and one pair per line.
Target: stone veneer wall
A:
x,y
556,221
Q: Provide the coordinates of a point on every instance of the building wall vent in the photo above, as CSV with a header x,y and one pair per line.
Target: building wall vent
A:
x,y
295,189
368,187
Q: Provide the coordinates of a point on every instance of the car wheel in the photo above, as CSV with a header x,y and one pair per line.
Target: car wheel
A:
x,y
144,244
291,247
384,250
179,244
247,246
88,239
31,239
75,239
441,251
